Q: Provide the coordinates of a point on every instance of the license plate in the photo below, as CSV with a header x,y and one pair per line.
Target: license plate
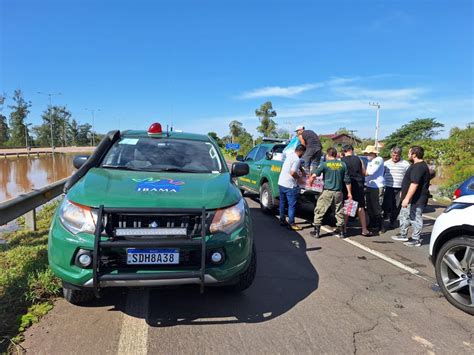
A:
x,y
152,256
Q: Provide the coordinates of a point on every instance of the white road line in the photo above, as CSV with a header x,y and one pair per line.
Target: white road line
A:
x,y
134,331
382,256
429,217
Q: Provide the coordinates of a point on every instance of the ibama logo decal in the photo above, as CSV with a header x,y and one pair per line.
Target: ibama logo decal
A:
x,y
158,185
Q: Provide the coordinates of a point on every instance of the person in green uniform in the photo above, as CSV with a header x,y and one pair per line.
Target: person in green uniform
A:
x,y
335,176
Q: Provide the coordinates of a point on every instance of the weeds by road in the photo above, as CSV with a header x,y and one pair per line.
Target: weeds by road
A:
x,y
27,285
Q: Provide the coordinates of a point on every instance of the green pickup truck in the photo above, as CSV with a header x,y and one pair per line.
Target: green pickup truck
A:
x,y
152,208
265,162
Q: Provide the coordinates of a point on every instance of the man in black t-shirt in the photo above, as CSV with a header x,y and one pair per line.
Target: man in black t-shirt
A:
x,y
414,196
311,142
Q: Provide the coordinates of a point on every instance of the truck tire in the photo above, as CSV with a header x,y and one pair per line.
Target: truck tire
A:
x,y
77,297
267,201
245,279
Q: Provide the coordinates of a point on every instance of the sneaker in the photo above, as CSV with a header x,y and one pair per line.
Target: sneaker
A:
x,y
283,223
340,232
413,243
315,232
295,227
400,238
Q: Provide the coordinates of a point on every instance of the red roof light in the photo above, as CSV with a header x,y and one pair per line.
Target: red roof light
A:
x,y
155,128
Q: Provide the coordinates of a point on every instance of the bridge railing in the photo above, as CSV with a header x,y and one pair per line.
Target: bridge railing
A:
x,y
26,204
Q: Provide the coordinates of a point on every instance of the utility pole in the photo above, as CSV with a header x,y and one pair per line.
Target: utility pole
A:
x,y
93,110
26,134
376,104
50,115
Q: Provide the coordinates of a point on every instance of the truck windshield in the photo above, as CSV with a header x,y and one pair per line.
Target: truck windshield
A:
x,y
156,154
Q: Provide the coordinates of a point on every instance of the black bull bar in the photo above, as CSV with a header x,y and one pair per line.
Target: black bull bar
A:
x,y
167,242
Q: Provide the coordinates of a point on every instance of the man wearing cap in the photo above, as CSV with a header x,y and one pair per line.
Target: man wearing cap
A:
x,y
311,142
288,186
374,183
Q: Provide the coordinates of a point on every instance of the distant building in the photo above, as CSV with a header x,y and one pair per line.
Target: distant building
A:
x,y
342,138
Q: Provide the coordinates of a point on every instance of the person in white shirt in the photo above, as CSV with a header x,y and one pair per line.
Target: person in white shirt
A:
x,y
374,187
395,169
288,186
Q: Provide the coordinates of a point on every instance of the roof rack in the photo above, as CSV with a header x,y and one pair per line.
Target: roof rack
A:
x,y
276,140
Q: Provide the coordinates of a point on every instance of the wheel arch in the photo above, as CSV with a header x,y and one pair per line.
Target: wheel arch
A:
x,y
449,234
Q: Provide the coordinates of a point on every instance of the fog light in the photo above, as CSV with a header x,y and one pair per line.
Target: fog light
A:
x,y
216,257
85,260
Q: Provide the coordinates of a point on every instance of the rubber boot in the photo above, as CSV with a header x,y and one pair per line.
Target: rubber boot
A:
x,y
316,231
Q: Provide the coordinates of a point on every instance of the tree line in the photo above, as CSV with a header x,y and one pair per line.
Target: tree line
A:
x,y
453,155
58,127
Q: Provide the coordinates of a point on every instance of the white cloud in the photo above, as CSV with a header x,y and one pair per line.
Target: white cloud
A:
x,y
335,107
278,91
381,94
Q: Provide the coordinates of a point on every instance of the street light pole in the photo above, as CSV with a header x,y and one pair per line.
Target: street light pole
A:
x,y
377,122
26,133
93,118
50,115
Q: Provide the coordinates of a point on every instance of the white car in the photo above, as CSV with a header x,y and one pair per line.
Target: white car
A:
x,y
452,252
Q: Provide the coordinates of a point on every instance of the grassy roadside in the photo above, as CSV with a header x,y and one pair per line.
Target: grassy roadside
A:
x,y
27,285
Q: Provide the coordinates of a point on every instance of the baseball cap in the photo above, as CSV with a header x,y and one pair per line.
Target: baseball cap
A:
x,y
299,127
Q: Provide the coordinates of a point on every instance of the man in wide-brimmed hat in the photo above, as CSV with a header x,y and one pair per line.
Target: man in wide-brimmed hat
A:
x,y
374,183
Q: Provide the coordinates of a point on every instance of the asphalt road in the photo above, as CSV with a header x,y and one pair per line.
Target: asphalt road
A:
x,y
310,296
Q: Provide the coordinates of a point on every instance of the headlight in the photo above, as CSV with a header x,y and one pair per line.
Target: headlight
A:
x,y
457,206
77,218
226,220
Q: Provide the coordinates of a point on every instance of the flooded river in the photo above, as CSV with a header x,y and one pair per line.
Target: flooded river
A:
x,y
20,175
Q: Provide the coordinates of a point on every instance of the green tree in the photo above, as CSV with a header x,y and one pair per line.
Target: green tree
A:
x,y
417,130
4,130
214,136
283,133
343,130
59,116
73,132
20,110
246,142
236,129
85,134
267,126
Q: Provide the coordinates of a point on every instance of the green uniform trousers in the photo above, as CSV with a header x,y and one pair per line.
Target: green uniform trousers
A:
x,y
327,199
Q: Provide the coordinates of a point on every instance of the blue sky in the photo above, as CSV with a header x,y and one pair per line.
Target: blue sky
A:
x,y
200,64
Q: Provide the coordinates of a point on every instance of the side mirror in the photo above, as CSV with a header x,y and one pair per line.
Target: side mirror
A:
x,y
269,155
239,169
240,158
79,160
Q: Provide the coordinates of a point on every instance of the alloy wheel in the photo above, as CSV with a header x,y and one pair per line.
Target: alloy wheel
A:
x,y
457,268
264,198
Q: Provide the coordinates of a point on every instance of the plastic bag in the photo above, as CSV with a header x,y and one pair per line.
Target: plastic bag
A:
x,y
350,208
291,146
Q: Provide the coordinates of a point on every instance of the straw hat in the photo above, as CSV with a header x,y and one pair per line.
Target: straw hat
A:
x,y
370,149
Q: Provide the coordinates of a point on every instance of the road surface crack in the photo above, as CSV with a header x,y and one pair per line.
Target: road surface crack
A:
x,y
359,332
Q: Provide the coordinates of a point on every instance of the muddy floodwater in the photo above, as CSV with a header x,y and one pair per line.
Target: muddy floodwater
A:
x,y
23,174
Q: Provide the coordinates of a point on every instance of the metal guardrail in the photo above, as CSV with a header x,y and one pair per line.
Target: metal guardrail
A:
x,y
26,204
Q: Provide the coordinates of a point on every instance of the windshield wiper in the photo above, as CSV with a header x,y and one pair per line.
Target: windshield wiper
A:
x,y
179,170
119,167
